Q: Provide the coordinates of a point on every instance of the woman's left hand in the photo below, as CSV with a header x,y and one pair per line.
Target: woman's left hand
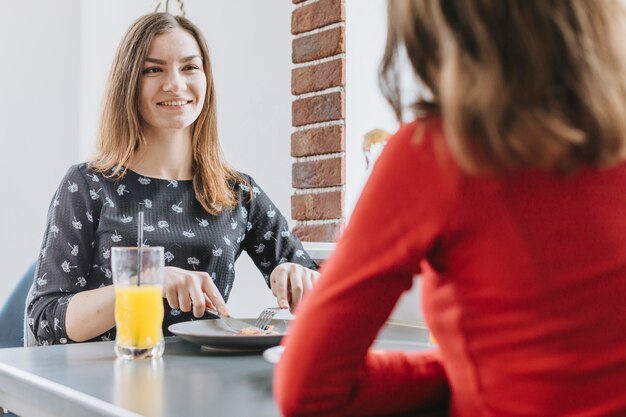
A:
x,y
290,282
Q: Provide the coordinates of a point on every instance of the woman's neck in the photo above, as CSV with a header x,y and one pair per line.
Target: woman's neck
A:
x,y
168,155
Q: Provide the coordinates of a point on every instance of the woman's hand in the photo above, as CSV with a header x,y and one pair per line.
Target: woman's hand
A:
x,y
192,289
290,282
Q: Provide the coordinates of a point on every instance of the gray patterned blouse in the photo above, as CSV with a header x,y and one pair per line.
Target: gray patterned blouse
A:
x,y
89,214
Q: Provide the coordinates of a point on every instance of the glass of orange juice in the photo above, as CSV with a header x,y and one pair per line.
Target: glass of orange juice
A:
x,y
138,278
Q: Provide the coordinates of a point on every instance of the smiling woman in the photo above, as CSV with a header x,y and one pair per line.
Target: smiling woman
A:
x,y
173,85
171,63
172,92
59,119
158,152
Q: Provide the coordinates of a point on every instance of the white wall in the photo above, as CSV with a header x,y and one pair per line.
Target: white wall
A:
x,y
102,26
39,107
53,75
250,46
367,109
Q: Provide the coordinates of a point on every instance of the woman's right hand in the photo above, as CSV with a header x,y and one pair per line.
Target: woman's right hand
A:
x,y
189,290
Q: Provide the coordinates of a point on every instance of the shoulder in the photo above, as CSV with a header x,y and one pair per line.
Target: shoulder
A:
x,y
244,185
417,157
82,168
422,134
246,177
79,183
422,144
78,171
78,168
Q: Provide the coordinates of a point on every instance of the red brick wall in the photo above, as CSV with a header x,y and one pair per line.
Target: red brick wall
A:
x,y
318,79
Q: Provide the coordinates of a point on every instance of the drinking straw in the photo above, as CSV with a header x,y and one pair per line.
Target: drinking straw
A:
x,y
139,245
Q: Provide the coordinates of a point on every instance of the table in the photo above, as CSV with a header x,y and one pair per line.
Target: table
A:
x,y
86,379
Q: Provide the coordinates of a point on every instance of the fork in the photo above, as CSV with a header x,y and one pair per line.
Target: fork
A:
x,y
266,317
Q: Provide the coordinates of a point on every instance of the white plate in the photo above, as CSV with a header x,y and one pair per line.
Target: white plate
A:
x,y
273,354
392,337
215,335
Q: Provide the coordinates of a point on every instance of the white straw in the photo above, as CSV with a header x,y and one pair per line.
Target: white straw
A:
x,y
139,245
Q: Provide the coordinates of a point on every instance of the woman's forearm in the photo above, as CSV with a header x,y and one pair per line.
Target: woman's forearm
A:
x,y
90,313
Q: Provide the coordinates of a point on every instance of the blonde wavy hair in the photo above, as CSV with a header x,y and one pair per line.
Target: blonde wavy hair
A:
x,y
538,84
120,134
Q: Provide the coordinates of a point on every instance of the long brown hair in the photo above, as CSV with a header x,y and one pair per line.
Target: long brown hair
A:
x,y
121,135
519,84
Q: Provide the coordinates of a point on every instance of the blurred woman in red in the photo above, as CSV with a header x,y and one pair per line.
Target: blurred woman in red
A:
x,y
507,194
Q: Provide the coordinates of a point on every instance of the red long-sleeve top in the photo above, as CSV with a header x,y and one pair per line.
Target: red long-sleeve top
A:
x,y
524,289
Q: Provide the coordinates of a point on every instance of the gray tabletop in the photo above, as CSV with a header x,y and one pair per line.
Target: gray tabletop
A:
x,y
86,379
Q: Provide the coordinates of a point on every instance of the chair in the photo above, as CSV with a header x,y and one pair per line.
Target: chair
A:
x,y
12,312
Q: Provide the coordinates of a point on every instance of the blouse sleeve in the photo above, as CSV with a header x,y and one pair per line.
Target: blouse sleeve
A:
x,y
327,368
268,241
64,261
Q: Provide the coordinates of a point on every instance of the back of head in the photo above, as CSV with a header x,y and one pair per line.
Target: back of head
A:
x,y
519,84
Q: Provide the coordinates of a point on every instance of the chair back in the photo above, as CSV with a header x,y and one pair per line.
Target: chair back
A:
x,y
12,312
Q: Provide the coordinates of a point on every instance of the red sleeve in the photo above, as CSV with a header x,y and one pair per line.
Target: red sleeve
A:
x,y
326,368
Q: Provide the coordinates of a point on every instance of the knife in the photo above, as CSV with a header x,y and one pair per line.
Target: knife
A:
x,y
235,324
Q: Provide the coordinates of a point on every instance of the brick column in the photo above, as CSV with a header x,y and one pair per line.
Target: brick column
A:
x,y
318,114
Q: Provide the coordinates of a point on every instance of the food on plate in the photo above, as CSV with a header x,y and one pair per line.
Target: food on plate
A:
x,y
257,331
